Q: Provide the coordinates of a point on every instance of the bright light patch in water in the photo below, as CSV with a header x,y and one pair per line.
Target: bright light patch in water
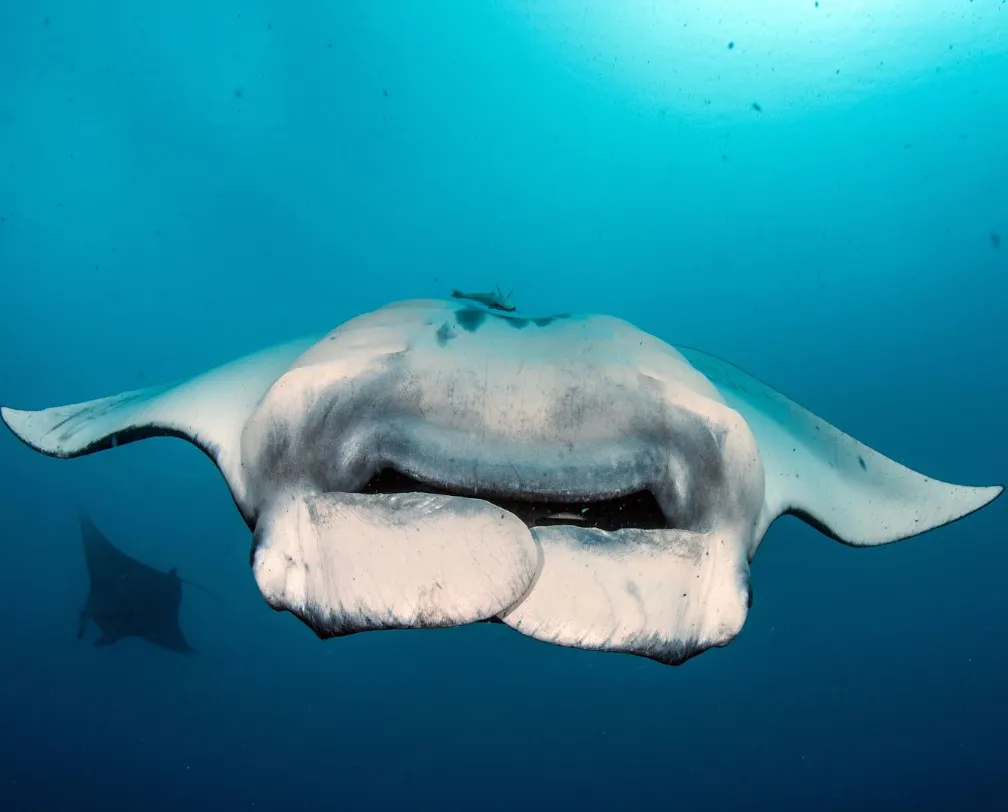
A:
x,y
740,57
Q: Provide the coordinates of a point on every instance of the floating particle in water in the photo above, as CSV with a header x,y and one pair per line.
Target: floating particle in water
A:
x,y
995,239
731,45
756,107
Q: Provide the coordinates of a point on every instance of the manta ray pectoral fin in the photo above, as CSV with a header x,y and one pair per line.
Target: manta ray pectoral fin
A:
x,y
345,563
663,594
209,411
829,479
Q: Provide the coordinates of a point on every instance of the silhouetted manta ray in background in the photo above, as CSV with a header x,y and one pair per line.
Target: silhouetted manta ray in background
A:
x,y
129,598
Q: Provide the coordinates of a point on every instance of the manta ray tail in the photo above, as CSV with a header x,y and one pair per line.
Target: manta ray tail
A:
x,y
840,486
209,411
200,587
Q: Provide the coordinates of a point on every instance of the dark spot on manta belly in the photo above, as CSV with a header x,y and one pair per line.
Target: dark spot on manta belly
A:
x,y
546,321
444,334
516,322
861,462
470,319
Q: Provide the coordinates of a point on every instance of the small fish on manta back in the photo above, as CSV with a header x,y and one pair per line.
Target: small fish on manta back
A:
x,y
495,300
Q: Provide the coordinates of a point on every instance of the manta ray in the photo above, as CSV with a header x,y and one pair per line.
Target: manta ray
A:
x,y
434,463
127,597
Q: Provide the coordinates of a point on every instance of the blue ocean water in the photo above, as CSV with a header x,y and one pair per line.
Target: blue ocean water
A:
x,y
817,192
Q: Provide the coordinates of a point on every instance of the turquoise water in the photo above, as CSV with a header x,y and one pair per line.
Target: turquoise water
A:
x,y
817,192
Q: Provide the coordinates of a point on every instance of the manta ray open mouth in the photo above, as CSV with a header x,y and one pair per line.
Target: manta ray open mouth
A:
x,y
434,464
639,509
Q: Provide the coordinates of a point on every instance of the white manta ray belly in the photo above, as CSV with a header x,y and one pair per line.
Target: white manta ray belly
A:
x,y
434,463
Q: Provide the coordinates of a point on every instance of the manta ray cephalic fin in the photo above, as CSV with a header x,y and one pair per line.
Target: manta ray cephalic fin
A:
x,y
349,562
664,594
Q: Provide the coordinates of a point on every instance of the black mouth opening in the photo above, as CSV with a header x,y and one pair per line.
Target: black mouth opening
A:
x,y
638,510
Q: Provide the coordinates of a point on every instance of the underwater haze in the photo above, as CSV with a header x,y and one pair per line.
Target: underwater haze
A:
x,y
815,191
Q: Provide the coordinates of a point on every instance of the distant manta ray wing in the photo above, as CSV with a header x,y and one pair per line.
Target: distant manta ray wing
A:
x,y
827,478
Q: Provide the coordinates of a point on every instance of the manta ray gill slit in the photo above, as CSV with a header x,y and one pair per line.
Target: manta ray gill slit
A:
x,y
638,510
